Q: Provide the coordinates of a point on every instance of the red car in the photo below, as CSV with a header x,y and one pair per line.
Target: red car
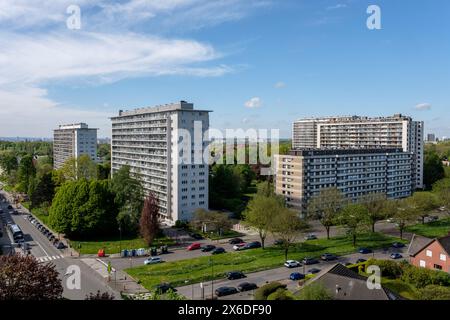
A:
x,y
194,246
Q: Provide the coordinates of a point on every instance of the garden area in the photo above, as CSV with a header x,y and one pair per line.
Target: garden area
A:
x,y
200,269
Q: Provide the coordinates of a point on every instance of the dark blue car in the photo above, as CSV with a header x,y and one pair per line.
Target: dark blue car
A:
x,y
364,250
296,276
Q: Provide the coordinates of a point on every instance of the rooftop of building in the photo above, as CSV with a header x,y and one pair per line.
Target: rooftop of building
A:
x,y
354,118
345,284
419,243
342,151
80,125
181,105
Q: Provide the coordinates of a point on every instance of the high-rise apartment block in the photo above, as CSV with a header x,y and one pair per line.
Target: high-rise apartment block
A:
x,y
302,173
356,132
72,141
164,146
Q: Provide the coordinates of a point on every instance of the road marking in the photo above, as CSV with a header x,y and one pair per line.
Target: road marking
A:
x,y
42,248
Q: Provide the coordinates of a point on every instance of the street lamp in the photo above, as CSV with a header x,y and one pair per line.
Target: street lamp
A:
x,y
212,277
120,238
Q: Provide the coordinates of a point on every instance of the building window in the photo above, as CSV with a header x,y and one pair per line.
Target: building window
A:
x,y
429,253
422,263
438,267
443,257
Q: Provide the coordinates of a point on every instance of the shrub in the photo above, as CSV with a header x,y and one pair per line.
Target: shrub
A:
x,y
280,294
434,292
315,291
389,269
263,292
421,277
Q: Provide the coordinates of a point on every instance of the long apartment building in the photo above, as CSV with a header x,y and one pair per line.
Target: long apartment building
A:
x,y
72,141
396,131
163,146
302,173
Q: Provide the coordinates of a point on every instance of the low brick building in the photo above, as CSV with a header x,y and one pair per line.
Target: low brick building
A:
x,y
430,253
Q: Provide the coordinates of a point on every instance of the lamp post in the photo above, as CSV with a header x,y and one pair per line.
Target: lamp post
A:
x,y
212,277
120,238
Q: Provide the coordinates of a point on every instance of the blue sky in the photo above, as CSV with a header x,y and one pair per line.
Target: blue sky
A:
x,y
256,64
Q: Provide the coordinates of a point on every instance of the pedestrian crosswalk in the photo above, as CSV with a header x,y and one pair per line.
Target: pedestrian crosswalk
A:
x,y
49,258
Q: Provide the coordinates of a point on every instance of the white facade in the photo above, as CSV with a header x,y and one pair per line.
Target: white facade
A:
x,y
397,131
160,146
72,141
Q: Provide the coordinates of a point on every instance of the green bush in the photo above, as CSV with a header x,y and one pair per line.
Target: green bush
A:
x,y
389,269
421,277
280,294
315,291
434,292
263,292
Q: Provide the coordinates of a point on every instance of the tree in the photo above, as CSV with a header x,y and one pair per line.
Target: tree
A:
x,y
79,168
217,220
24,278
149,223
433,170
128,197
84,208
355,218
442,189
260,214
423,203
434,292
405,214
287,226
315,291
326,206
44,190
8,161
266,189
26,173
375,203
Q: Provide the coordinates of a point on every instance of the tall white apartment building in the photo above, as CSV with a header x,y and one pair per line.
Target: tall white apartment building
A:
x,y
72,141
164,146
396,131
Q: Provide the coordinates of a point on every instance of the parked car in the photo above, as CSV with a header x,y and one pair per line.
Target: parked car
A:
x,y
396,255
207,248
308,261
233,275
296,276
60,245
218,250
196,236
328,257
10,207
235,241
390,220
225,291
164,287
278,242
253,245
433,218
311,236
152,260
292,264
239,246
360,260
364,250
313,270
247,286
194,246
398,245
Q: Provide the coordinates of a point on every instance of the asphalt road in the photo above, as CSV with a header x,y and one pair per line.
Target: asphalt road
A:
x,y
45,252
280,274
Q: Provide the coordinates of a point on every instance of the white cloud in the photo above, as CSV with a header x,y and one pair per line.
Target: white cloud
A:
x,y
254,102
337,6
280,85
423,106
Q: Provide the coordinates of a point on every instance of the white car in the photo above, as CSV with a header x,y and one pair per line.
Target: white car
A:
x,y
390,220
292,264
238,246
153,260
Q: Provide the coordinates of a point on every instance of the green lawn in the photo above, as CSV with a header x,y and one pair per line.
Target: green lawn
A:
x,y
434,229
40,213
200,269
114,245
